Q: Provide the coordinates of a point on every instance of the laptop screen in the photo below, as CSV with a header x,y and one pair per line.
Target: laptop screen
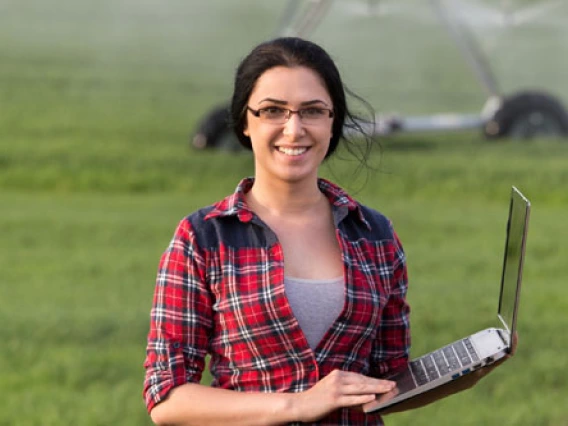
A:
x,y
513,261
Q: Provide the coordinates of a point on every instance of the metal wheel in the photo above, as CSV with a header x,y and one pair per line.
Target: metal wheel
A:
x,y
214,131
528,115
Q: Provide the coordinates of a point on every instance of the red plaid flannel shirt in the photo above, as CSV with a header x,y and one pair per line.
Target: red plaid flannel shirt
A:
x,y
220,291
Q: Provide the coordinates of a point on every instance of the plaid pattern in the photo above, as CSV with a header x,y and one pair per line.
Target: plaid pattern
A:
x,y
220,291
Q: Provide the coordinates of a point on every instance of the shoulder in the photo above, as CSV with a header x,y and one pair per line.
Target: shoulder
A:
x,y
202,229
205,224
379,224
358,219
219,225
381,232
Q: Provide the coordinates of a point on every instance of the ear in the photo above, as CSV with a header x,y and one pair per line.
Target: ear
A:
x,y
246,132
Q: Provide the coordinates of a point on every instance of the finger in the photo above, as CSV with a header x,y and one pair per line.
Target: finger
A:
x,y
355,400
351,378
514,343
350,383
370,383
374,387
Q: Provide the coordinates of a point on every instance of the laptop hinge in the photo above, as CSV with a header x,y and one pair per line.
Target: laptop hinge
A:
x,y
505,338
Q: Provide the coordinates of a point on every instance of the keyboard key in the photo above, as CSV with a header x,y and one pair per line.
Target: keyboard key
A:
x,y
447,360
451,358
471,350
441,363
418,372
462,353
430,367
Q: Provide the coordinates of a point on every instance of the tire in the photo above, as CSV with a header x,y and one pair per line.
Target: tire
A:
x,y
528,115
214,131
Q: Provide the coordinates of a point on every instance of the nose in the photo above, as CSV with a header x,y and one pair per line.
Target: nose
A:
x,y
294,127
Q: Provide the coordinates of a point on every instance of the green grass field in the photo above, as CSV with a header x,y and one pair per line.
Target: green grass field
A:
x,y
97,101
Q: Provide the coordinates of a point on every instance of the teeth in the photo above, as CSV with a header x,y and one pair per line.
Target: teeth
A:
x,y
292,151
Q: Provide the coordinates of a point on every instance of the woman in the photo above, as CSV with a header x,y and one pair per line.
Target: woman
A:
x,y
295,290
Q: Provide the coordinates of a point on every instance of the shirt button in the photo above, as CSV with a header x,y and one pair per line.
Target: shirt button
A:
x,y
176,345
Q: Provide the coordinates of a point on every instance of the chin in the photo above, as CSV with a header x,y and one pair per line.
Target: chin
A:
x,y
297,177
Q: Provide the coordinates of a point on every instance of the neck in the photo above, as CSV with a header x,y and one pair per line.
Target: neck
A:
x,y
284,198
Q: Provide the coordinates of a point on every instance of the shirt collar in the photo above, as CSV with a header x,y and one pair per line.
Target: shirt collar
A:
x,y
235,204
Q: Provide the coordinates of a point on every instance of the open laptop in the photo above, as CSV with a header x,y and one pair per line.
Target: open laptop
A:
x,y
482,348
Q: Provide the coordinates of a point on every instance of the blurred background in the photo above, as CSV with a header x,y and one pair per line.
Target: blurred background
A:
x,y
99,102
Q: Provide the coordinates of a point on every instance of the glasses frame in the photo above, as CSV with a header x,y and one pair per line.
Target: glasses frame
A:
x,y
289,112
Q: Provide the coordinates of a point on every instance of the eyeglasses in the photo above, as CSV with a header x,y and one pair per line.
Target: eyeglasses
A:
x,y
279,115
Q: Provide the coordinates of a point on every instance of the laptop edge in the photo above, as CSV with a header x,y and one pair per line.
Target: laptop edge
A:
x,y
491,344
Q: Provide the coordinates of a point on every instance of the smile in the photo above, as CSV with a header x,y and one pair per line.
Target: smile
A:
x,y
292,151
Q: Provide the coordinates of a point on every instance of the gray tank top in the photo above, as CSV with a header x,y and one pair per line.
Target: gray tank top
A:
x,y
316,304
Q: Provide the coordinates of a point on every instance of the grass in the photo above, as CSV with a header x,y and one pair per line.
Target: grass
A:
x,y
78,268
98,101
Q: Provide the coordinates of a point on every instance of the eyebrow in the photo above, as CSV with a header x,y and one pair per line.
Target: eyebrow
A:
x,y
282,102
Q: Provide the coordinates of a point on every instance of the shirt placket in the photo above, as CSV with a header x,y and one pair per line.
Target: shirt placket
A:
x,y
287,327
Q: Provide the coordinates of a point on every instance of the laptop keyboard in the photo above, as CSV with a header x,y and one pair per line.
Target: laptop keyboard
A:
x,y
443,361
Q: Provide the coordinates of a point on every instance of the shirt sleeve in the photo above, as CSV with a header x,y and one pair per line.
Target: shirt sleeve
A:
x,y
180,319
392,347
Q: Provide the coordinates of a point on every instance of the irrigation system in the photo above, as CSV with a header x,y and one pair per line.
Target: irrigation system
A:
x,y
524,114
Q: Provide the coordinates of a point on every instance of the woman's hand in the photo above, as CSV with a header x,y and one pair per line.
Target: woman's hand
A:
x,y
339,389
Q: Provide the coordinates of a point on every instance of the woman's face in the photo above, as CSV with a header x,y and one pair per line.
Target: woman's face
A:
x,y
291,151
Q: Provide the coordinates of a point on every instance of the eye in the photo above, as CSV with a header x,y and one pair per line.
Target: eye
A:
x,y
313,112
272,111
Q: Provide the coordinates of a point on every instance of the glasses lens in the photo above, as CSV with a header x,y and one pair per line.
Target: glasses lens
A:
x,y
313,114
278,115
274,114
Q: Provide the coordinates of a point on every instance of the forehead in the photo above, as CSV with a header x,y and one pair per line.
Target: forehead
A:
x,y
290,84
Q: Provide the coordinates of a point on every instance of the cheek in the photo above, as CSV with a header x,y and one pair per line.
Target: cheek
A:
x,y
262,136
261,131
327,133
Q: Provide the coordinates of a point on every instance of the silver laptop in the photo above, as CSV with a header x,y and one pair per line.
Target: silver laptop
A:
x,y
482,348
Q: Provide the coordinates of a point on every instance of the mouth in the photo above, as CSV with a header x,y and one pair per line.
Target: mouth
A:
x,y
293,152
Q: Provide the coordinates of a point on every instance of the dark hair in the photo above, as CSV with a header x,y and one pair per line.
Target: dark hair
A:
x,y
289,52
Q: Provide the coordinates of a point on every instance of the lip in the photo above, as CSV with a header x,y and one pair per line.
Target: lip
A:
x,y
295,147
